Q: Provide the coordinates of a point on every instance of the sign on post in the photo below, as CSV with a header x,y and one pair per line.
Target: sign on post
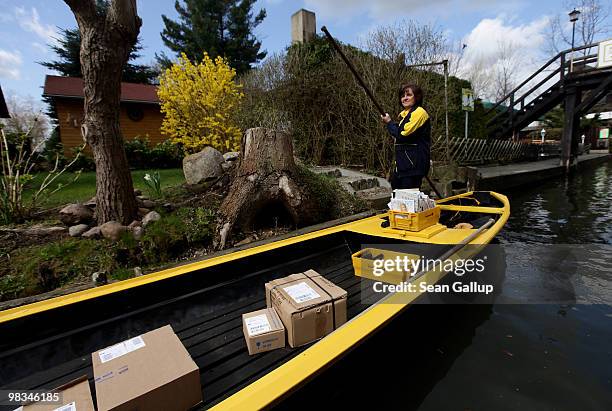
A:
x,y
467,104
604,54
467,99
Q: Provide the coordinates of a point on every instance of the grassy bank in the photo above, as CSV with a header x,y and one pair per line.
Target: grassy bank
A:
x,y
85,186
32,267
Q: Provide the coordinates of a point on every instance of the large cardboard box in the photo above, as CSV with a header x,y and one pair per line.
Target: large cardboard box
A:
x,y
337,294
150,372
76,396
263,331
305,309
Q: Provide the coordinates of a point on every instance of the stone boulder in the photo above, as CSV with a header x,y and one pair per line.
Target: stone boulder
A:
x,y
91,203
94,232
150,217
137,233
74,214
77,230
135,223
113,230
203,166
148,204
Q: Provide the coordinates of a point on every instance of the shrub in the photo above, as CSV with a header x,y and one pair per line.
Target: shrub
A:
x,y
141,155
17,163
198,102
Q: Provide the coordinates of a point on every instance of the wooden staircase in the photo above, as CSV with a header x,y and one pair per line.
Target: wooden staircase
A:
x,y
549,86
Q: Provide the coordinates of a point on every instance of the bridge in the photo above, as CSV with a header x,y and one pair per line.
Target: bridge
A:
x,y
577,81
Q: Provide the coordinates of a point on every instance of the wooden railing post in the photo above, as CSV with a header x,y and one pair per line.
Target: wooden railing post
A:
x,y
569,140
562,71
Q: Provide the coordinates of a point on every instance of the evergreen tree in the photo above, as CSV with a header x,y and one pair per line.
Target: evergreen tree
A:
x,y
69,64
219,27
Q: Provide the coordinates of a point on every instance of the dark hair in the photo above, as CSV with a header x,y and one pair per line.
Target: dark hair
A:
x,y
416,90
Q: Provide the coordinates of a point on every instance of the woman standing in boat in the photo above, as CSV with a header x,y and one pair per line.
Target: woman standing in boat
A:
x,y
412,137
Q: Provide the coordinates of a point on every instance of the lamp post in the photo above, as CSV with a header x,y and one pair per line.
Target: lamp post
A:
x,y
573,16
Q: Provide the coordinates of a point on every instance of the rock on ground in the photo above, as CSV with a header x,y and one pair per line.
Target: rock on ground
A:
x,y
148,204
74,214
112,230
78,230
137,233
150,217
94,232
203,166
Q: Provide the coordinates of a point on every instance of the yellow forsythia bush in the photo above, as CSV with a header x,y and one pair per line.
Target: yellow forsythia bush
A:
x,y
198,102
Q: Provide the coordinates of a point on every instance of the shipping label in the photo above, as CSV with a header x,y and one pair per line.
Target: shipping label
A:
x,y
258,324
67,407
301,292
121,349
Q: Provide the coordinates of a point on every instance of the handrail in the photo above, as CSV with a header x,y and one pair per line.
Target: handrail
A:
x,y
548,63
534,88
524,82
524,96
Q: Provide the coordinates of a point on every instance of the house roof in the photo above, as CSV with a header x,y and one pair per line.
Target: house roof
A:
x,y
72,87
3,109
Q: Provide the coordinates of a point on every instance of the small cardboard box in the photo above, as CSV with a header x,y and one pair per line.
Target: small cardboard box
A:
x,y
306,309
151,371
263,331
76,396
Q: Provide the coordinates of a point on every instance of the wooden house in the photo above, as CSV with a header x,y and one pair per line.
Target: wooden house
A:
x,y
140,110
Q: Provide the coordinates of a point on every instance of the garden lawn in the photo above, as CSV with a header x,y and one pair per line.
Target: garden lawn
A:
x,y
85,187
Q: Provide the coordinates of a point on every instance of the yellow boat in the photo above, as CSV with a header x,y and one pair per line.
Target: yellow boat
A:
x,y
49,343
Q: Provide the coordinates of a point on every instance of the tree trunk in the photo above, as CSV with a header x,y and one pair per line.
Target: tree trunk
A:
x,y
106,39
265,188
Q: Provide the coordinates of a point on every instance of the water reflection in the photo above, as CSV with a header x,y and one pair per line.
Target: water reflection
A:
x,y
572,210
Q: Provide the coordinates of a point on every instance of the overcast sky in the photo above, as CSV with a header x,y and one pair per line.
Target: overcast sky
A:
x,y
28,26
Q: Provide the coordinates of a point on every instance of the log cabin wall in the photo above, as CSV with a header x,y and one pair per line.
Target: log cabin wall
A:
x,y
136,120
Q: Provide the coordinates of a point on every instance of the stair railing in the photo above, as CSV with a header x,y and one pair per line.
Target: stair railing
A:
x,y
562,70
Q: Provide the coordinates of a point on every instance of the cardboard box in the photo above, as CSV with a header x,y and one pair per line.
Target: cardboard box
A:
x,y
305,310
278,282
337,294
76,396
151,371
263,331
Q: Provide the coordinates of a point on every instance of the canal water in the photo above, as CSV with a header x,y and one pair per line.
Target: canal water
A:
x,y
552,349
546,342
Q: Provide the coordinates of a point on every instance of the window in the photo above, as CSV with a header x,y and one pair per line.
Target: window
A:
x,y
135,113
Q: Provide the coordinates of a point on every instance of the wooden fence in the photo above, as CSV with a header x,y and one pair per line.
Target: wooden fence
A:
x,y
482,151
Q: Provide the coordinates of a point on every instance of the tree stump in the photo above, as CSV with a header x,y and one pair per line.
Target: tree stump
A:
x,y
265,191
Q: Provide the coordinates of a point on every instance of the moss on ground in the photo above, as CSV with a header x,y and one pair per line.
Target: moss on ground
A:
x,y
335,201
44,267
